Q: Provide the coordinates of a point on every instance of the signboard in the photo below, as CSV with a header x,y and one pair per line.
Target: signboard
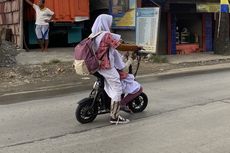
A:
x,y
208,7
123,12
147,27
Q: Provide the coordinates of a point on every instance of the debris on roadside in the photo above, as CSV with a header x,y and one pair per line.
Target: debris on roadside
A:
x,y
8,52
156,58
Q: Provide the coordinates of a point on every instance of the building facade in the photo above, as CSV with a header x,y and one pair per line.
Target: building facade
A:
x,y
190,25
185,26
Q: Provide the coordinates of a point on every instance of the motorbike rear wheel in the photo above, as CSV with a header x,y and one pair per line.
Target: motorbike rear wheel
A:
x,y
139,103
84,114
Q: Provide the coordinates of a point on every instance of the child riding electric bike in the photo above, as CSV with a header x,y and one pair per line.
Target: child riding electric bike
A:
x,y
98,102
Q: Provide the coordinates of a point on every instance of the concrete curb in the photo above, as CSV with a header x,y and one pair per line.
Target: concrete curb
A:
x,y
191,70
58,90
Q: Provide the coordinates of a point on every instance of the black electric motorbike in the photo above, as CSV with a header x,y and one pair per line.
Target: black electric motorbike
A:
x,y
98,101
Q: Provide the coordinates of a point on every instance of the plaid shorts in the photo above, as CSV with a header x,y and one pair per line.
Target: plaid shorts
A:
x,y
42,31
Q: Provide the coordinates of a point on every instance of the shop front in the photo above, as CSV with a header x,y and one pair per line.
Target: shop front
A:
x,y
185,26
190,27
188,32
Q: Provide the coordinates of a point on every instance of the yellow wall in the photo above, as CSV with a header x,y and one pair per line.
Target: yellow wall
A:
x,y
224,2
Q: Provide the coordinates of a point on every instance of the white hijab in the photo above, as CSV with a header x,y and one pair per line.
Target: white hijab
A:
x,y
102,23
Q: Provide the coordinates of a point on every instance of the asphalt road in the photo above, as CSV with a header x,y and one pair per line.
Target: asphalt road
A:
x,y
186,114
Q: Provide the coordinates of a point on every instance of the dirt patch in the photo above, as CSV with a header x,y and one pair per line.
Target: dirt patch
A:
x,y
29,77
11,78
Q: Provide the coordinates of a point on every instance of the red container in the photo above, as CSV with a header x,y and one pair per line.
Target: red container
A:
x,y
65,10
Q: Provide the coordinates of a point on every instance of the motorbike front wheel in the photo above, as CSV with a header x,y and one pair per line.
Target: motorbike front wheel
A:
x,y
84,112
139,103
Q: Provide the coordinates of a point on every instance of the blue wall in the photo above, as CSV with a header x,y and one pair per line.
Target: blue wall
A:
x,y
208,32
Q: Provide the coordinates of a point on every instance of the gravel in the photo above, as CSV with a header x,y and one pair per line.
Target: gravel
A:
x,y
8,52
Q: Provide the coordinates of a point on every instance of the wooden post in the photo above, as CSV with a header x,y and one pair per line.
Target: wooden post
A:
x,y
169,18
21,25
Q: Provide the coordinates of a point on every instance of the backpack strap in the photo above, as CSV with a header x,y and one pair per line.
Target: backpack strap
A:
x,y
92,36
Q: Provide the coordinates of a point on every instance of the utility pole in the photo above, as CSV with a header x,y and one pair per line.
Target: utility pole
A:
x,y
221,39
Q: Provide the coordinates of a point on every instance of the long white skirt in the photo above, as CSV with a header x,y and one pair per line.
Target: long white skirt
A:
x,y
114,87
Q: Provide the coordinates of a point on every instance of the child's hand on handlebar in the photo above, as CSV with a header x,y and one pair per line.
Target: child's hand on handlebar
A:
x,y
140,47
138,50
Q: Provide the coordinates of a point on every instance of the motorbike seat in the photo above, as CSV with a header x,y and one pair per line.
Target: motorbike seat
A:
x,y
100,78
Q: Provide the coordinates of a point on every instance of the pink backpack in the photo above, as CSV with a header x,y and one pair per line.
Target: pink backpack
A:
x,y
86,62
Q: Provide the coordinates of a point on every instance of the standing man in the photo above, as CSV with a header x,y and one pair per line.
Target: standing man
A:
x,y
43,17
